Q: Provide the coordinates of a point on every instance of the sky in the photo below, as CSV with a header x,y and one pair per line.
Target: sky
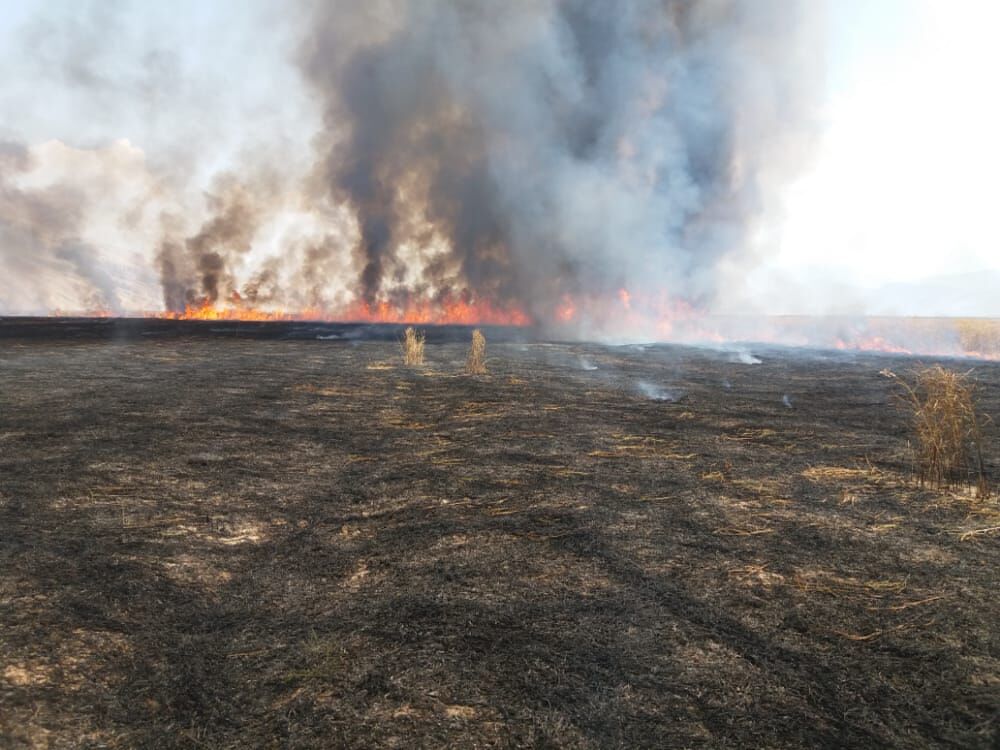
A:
x,y
897,198
902,189
159,75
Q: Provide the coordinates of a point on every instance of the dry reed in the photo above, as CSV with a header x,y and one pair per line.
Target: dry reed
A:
x,y
475,363
948,433
413,347
979,336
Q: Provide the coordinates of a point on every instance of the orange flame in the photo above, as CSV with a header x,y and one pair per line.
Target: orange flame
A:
x,y
625,312
565,312
871,344
637,315
454,311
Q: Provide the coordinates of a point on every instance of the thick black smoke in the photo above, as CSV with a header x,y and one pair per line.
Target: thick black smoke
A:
x,y
561,146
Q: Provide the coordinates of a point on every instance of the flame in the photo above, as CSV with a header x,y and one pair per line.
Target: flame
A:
x,y
639,315
652,315
870,344
635,315
565,311
450,311
211,312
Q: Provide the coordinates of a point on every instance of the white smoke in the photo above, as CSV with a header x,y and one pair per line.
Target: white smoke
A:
x,y
516,151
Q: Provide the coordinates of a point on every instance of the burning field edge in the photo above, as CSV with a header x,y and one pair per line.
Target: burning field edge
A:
x,y
265,540
971,338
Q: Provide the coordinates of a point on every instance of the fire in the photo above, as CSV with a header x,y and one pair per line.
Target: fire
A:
x,y
625,314
211,312
870,344
450,311
565,312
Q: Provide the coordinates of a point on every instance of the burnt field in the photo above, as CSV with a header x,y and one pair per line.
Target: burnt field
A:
x,y
225,541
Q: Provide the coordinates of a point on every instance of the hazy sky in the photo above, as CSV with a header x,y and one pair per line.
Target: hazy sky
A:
x,y
160,75
901,187
904,183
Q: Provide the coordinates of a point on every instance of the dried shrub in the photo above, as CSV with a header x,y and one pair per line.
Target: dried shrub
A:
x,y
413,347
475,363
948,434
979,336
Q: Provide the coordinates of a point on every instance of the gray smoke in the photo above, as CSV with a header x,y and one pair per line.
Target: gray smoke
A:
x,y
561,146
39,242
515,151
198,270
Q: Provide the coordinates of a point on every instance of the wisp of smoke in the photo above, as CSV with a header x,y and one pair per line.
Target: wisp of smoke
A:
x,y
655,392
743,357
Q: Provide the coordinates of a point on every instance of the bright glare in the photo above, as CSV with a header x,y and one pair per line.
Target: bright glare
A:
x,y
904,186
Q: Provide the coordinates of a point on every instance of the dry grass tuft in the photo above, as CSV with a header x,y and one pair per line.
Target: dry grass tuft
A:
x,y
475,363
979,336
948,432
413,347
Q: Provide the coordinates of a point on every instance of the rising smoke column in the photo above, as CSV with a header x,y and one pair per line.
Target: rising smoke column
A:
x,y
211,264
198,270
560,146
521,151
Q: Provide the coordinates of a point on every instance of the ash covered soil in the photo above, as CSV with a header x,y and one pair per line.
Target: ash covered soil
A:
x,y
233,543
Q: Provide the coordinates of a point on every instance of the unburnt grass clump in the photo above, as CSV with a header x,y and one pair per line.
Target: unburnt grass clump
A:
x,y
413,347
475,363
979,336
948,430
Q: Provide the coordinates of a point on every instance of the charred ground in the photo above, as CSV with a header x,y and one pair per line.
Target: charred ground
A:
x,y
227,542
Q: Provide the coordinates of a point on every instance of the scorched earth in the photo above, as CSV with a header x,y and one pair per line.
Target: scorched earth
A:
x,y
228,542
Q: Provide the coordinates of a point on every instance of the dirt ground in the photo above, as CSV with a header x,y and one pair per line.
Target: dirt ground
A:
x,y
211,542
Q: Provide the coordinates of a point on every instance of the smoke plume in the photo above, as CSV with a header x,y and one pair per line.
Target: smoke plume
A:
x,y
560,146
542,155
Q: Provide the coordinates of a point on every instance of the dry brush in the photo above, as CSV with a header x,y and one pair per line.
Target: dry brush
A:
x,y
947,427
413,347
475,363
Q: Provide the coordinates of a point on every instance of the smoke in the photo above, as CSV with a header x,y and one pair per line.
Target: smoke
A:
x,y
655,392
199,269
522,153
561,146
262,241
44,217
